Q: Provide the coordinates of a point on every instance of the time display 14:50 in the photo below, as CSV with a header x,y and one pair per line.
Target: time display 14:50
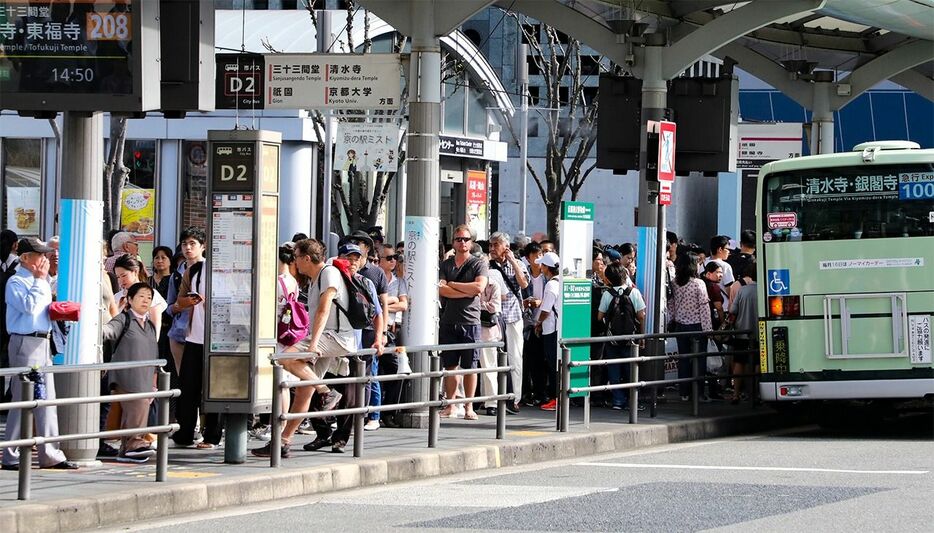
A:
x,y
73,75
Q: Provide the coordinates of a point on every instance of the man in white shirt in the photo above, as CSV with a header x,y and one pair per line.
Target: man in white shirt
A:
x,y
546,325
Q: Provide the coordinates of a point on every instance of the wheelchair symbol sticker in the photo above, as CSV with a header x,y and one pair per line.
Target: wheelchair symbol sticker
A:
x,y
779,282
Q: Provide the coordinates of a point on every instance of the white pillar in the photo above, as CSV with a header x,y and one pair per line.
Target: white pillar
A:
x,y
822,130
167,191
729,203
295,189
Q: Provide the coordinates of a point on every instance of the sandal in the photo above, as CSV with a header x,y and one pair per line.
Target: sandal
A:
x,y
472,415
206,446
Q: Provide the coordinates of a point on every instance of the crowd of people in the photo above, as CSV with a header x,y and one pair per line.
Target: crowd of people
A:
x,y
500,289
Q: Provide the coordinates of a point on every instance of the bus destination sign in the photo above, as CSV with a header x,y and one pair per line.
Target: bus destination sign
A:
x,y
58,53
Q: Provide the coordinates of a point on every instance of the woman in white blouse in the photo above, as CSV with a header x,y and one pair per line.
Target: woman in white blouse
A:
x,y
688,310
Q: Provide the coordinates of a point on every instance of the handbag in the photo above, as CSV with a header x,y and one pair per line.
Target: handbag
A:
x,y
488,319
294,321
64,311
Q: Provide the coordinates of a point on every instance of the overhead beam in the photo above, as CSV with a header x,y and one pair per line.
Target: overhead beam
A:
x,y
572,23
728,28
448,14
884,67
768,71
680,8
917,82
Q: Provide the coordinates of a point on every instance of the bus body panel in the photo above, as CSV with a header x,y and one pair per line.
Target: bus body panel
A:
x,y
854,295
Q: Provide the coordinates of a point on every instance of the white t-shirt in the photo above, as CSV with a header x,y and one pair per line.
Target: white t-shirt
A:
x,y
196,324
330,276
538,288
638,303
550,294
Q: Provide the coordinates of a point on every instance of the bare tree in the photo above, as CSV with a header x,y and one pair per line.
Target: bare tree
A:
x,y
570,120
115,174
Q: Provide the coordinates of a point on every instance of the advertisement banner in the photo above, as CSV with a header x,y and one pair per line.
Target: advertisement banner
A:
x,y
477,203
138,213
22,210
367,147
421,275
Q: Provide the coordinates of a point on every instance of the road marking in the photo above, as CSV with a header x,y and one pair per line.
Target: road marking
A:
x,y
529,433
755,468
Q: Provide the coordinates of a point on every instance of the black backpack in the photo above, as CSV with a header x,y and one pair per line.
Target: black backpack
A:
x,y
361,309
621,316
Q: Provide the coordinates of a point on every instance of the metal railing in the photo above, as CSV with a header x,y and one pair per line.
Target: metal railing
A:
x,y
634,384
359,380
27,404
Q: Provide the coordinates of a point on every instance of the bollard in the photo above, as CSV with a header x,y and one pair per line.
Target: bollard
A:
x,y
434,391
502,360
359,401
634,392
162,439
275,423
27,394
564,417
695,373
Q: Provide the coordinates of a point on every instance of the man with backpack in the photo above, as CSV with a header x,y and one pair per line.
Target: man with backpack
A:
x,y
622,309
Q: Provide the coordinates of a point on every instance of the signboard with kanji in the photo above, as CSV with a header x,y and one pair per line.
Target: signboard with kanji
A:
x,y
93,55
333,81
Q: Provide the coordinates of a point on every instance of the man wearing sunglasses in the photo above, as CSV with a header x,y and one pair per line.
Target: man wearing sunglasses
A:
x,y
463,278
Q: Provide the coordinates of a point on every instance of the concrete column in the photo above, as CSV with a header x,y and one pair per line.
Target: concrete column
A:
x,y
80,274
729,203
822,130
423,193
295,189
324,43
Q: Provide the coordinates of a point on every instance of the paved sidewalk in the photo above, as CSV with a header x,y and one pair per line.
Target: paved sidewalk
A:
x,y
117,493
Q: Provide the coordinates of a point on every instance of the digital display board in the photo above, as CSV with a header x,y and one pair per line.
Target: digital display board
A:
x,y
79,55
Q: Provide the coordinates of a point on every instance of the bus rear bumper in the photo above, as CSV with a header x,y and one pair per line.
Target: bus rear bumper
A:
x,y
793,391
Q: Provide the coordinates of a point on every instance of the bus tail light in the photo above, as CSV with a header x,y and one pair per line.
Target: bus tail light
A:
x,y
784,306
791,391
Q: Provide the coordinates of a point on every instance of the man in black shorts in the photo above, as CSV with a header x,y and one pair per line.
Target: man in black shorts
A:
x,y
463,277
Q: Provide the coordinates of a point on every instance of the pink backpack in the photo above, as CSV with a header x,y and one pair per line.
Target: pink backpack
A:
x,y
294,321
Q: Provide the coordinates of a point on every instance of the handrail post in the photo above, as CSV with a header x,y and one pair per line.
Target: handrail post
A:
x,y
564,417
162,439
695,373
501,361
275,422
634,392
27,394
434,391
359,401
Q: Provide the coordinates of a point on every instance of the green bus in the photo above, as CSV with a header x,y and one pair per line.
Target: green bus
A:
x,y
846,276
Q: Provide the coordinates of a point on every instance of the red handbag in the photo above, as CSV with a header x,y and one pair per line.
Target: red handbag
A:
x,y
64,311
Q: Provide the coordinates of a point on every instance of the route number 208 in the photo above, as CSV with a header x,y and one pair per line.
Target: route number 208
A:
x,y
108,26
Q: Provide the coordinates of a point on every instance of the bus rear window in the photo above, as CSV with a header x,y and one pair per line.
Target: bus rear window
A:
x,y
867,202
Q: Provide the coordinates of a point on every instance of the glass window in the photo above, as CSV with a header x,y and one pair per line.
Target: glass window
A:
x,y
138,207
454,105
476,113
194,185
22,185
868,202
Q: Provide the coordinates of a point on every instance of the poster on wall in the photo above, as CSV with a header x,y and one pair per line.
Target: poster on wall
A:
x,y
138,217
367,147
22,205
477,203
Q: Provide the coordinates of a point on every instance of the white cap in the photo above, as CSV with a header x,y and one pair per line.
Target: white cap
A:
x,y
549,259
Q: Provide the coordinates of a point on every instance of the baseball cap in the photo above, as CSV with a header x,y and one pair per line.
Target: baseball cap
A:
x,y
32,244
733,244
549,259
348,249
612,254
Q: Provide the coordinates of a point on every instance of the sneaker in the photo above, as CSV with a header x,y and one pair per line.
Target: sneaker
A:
x,y
512,409
338,446
619,407
685,398
371,425
261,433
459,411
390,422
266,451
123,458
331,400
551,405
316,444
138,453
490,411
305,428
106,451
640,408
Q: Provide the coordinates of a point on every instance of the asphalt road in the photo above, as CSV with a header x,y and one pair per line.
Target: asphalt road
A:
x,y
801,480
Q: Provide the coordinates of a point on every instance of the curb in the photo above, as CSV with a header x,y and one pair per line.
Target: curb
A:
x,y
158,502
